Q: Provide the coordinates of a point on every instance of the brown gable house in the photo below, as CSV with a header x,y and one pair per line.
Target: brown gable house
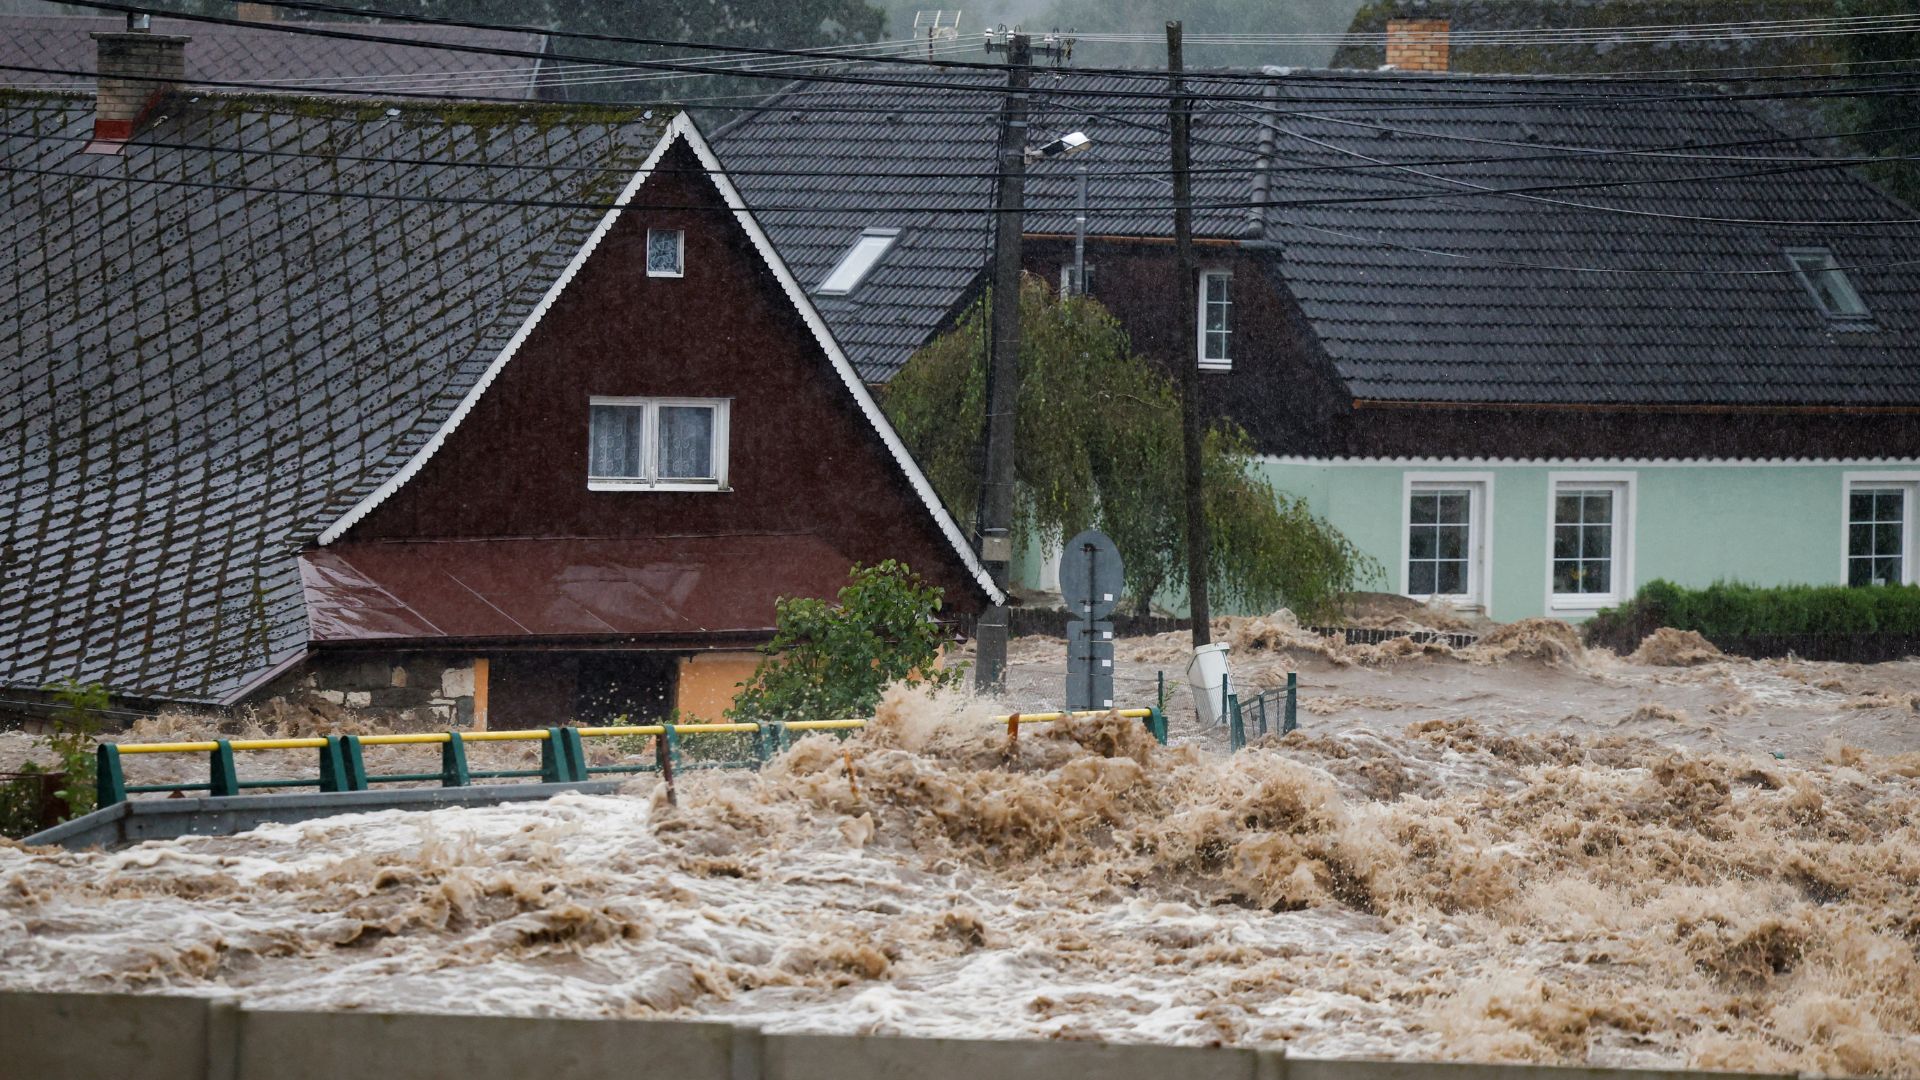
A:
x,y
670,444
507,414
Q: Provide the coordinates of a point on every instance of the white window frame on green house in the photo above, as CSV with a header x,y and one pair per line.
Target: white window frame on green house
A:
x,y
647,478
1209,360
1479,489
1908,485
1623,487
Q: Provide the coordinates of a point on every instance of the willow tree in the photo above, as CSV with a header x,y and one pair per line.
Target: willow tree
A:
x,y
1098,444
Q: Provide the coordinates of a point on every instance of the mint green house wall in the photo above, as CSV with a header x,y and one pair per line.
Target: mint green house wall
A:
x,y
1691,522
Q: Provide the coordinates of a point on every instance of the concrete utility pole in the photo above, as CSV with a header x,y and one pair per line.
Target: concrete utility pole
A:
x,y
1179,115
1003,366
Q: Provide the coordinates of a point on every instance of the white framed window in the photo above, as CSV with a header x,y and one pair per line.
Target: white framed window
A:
x,y
1832,291
1066,279
666,253
1589,540
1879,541
1216,320
1445,537
858,262
657,444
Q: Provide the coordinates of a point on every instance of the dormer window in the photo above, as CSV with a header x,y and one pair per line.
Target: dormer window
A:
x,y
1832,291
858,262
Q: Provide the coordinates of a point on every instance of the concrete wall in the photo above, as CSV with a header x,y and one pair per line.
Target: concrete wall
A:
x,y
708,682
127,1036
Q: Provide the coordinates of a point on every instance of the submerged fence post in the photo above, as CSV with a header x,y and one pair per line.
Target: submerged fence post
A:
x,y
223,776
666,750
333,766
1292,719
453,762
1260,716
1236,728
109,783
1157,725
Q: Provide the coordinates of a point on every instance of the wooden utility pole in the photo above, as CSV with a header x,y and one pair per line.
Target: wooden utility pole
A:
x,y
1003,365
1187,359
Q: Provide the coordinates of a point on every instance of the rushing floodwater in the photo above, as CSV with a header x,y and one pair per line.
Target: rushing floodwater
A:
x,y
1450,888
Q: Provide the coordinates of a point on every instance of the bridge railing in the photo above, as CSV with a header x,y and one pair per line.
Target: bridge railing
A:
x,y
342,759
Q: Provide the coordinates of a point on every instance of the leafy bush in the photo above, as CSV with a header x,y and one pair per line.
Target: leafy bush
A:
x,y
20,802
831,661
1728,609
75,723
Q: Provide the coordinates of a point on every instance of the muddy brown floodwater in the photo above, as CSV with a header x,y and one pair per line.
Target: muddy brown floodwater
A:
x,y
1519,852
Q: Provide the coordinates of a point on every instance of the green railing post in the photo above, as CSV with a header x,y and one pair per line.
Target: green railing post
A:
x,y
1160,693
1156,721
353,764
1292,718
672,735
559,756
1236,728
576,749
453,762
777,735
109,783
333,766
222,774
762,745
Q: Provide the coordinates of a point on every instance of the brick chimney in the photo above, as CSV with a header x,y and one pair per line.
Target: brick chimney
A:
x,y
137,68
1417,44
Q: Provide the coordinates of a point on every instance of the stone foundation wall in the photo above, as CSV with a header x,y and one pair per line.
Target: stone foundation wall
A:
x,y
409,691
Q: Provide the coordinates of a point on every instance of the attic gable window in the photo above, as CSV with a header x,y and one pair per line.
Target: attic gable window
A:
x,y
1831,289
858,262
657,444
666,253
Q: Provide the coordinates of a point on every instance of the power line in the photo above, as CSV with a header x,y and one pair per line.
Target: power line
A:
x,y
1135,206
318,30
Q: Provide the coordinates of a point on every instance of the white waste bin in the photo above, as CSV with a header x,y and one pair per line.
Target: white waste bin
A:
x,y
1207,675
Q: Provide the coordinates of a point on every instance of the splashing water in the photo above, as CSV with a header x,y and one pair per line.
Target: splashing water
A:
x,y
1450,891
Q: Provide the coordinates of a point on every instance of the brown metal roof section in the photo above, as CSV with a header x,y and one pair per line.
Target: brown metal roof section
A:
x,y
670,586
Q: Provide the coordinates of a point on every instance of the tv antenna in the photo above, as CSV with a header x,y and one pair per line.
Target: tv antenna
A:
x,y
937,25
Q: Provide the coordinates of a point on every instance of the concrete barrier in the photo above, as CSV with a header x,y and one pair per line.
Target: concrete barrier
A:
x,y
113,1037
165,819
148,1037
333,1046
858,1057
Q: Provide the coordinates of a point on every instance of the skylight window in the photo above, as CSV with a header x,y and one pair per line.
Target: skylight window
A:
x,y
858,262
1829,285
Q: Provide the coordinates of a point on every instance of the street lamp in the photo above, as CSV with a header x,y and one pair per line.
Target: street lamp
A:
x,y
1073,142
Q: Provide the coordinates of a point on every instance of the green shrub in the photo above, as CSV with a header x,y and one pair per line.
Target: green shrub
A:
x,y
75,724
831,661
1728,609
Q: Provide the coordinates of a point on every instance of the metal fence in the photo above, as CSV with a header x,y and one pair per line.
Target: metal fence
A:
x,y
342,759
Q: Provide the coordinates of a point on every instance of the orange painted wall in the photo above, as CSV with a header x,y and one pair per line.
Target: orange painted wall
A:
x,y
708,682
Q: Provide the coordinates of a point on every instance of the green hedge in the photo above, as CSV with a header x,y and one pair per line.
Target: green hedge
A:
x,y
1728,609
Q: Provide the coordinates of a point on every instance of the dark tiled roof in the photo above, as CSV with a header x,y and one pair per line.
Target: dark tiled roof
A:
x,y
195,380
1454,297
299,63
